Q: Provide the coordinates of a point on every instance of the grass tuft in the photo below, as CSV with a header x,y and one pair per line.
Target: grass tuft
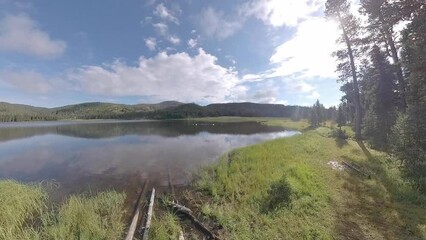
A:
x,y
165,226
83,217
24,214
19,207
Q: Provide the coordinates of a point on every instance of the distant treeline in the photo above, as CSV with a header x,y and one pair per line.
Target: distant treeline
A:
x,y
164,110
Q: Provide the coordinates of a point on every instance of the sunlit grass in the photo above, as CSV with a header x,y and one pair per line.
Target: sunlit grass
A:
x,y
24,214
165,226
19,206
83,217
285,189
281,122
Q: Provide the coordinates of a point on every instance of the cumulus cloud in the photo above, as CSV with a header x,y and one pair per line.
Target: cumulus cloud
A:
x,y
308,53
264,96
213,23
192,43
150,43
165,14
28,81
174,40
281,12
163,30
166,76
19,33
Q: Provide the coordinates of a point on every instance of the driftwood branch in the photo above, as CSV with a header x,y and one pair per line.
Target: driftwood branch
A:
x,y
149,216
356,169
136,213
188,213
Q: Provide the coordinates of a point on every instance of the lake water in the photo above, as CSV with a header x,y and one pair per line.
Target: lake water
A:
x,y
103,155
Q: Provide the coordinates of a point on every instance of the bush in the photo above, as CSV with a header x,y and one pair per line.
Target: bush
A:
x,y
278,195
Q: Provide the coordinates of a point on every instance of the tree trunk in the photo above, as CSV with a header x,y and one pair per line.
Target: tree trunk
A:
x,y
395,58
355,96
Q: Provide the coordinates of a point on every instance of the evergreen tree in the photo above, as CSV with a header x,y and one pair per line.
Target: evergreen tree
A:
x,y
379,100
317,114
341,120
340,10
411,130
381,20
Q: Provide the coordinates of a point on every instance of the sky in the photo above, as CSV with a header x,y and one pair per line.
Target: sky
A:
x,y
57,52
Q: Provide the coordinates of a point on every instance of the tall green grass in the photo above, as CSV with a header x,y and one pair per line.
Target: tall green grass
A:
x,y
165,226
24,214
19,206
281,122
285,189
273,190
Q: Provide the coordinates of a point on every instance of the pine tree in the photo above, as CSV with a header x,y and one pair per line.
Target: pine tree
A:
x,y
341,120
411,130
340,10
379,100
317,114
382,18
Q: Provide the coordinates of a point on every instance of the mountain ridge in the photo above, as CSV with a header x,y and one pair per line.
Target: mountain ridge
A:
x,y
10,112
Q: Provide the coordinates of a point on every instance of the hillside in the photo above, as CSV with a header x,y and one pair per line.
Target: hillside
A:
x,y
18,112
164,110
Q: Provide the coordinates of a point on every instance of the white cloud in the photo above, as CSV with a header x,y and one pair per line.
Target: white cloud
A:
x,y
28,81
264,96
314,95
192,43
174,40
166,76
19,33
150,43
308,53
298,86
163,30
213,23
282,12
165,14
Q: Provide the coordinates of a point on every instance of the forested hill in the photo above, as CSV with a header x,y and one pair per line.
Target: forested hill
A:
x,y
164,110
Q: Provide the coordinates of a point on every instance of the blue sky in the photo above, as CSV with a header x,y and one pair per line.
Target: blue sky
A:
x,y
60,52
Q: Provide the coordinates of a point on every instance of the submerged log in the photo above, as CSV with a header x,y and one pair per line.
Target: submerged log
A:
x,y
136,213
149,216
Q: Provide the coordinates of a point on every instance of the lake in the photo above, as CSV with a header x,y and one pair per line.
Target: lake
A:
x,y
99,155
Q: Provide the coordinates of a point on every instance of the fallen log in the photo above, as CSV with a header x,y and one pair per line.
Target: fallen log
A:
x,y
356,169
181,235
188,213
136,213
149,216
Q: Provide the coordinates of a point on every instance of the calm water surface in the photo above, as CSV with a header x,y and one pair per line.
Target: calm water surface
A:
x,y
115,155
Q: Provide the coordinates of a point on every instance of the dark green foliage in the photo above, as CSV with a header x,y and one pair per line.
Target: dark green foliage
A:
x,y
341,119
379,100
410,137
386,89
317,114
278,195
382,18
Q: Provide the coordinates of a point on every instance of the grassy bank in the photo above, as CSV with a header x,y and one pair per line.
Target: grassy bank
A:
x,y
25,214
287,189
281,122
